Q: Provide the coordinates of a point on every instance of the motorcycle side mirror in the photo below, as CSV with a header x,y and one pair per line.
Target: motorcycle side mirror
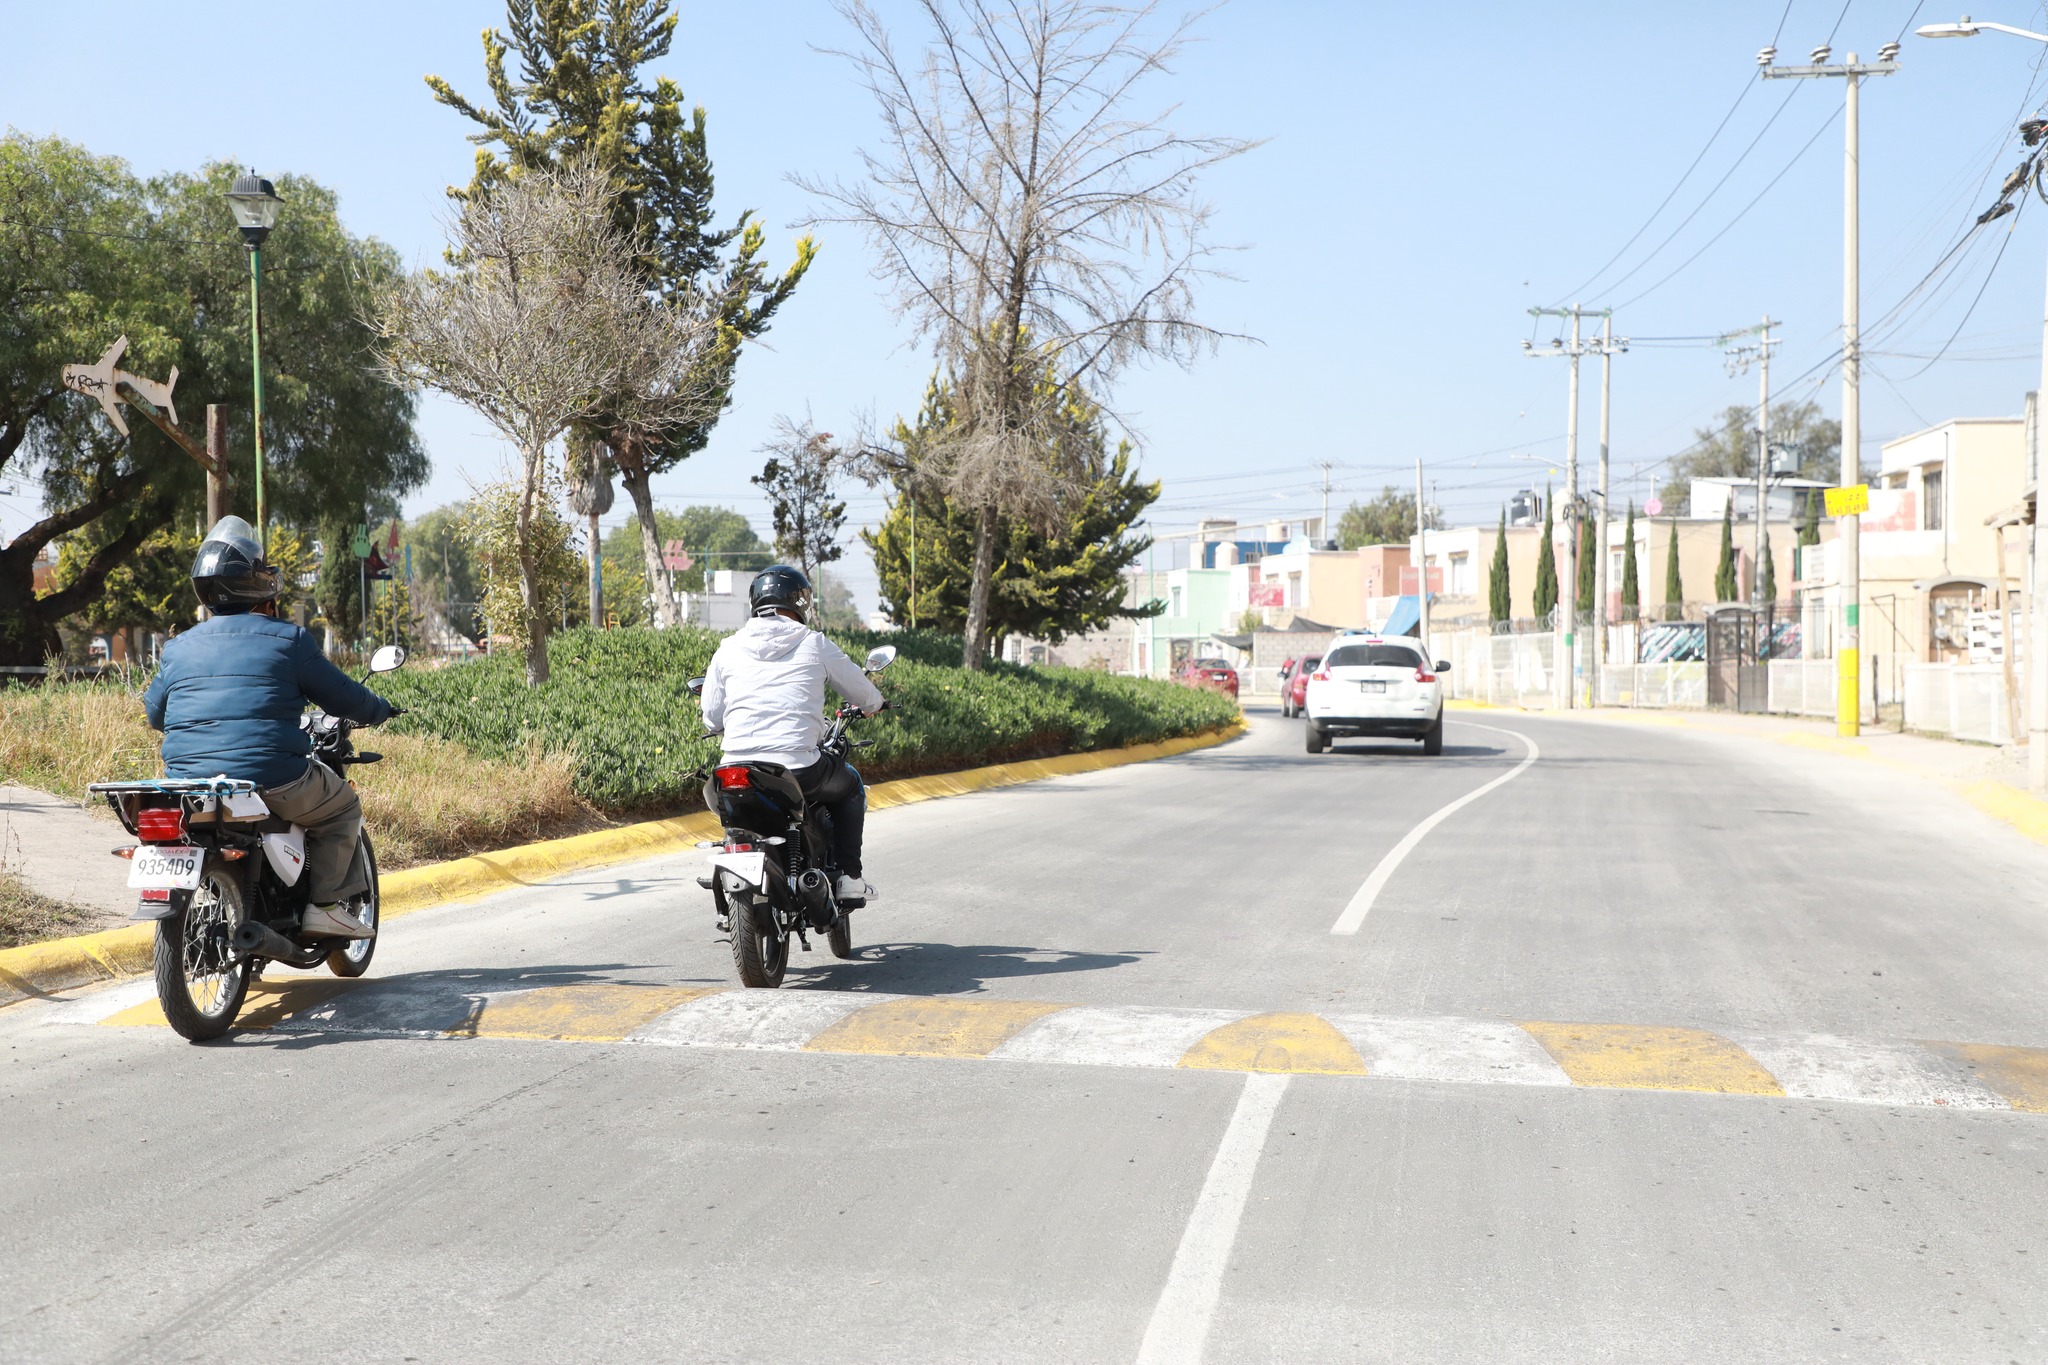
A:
x,y
387,659
695,686
880,657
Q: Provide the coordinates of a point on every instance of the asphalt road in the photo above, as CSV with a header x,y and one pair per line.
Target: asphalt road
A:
x,y
357,1185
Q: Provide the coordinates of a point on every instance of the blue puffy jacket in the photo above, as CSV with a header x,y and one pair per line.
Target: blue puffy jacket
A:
x,y
229,692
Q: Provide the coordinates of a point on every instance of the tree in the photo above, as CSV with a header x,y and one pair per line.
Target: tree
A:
x,y
541,325
89,253
524,550
715,537
152,591
1631,589
1588,565
1031,223
1725,587
1674,589
581,96
1389,519
444,577
1809,529
1046,584
798,480
1767,573
1546,565
338,595
393,618
1728,448
1500,597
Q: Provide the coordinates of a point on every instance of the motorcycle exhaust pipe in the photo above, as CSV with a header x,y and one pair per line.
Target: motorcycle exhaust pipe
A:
x,y
814,890
260,940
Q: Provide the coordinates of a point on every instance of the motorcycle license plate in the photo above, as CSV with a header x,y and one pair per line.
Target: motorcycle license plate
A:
x,y
166,867
1373,686
749,867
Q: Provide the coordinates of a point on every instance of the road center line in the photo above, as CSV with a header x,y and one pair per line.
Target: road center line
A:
x,y
1180,1320
1361,903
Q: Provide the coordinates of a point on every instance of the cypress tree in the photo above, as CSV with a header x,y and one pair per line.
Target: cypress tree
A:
x,y
1631,590
1724,572
1588,534
1674,590
1809,532
1767,573
1499,596
1546,565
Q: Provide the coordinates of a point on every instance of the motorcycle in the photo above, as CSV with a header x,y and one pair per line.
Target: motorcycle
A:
x,y
772,875
220,876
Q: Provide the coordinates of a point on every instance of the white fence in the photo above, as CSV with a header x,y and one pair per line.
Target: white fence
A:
x,y
1804,687
1657,685
1962,701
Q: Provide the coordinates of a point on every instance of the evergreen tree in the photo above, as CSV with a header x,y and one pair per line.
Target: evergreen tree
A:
x,y
1767,573
1500,597
1809,530
1674,590
1631,589
1588,565
1045,586
1725,587
580,92
798,481
1546,565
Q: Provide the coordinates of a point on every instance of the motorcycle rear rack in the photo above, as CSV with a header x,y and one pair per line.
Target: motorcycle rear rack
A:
x,y
176,786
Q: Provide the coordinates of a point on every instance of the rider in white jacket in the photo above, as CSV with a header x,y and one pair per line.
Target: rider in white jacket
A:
x,y
765,693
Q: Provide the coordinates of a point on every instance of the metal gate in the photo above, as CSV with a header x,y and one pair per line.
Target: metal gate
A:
x,y
1735,676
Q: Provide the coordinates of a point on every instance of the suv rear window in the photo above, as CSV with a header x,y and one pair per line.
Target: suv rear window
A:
x,y
1208,663
1373,656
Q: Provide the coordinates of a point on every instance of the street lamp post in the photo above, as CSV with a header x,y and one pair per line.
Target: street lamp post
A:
x,y
2037,643
255,204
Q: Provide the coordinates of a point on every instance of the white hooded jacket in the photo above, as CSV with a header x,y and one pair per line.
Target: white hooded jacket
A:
x,y
765,691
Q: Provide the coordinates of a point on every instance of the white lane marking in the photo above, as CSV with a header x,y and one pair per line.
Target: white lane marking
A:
x,y
1361,903
1180,1320
1823,1067
1466,1051
772,1021
1128,1035
89,1006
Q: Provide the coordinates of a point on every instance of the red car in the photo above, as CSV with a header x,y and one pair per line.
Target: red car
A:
x,y
1294,684
1212,673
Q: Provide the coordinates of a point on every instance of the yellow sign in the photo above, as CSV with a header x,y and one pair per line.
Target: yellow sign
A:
x,y
1848,502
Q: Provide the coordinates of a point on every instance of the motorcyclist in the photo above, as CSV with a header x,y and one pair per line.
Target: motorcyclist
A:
x,y
228,695
765,690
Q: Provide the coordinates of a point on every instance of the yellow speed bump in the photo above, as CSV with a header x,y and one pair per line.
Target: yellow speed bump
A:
x,y
593,1012
2019,1074
932,1027
1277,1042
266,1003
1633,1057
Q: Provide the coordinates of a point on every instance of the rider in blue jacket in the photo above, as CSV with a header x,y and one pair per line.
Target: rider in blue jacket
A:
x,y
228,694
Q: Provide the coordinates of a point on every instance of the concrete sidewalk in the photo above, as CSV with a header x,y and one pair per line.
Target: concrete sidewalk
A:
x,y
60,849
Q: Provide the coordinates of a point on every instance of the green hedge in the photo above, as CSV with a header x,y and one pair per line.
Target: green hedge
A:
x,y
615,700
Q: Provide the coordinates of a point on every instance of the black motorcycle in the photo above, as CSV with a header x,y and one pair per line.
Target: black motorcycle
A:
x,y
221,876
772,876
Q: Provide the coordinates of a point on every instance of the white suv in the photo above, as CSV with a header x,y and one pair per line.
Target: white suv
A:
x,y
1374,685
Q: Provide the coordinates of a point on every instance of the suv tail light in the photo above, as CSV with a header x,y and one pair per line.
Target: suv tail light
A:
x,y
1424,675
730,779
160,826
1319,676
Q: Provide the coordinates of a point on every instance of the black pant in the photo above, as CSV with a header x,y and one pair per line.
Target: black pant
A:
x,y
833,785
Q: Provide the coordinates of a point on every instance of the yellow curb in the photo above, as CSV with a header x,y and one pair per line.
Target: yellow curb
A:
x,y
67,963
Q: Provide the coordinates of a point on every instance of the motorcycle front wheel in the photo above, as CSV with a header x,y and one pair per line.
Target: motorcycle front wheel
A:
x,y
759,952
199,980
354,960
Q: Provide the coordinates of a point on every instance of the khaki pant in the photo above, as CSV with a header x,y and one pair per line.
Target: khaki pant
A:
x,y
327,807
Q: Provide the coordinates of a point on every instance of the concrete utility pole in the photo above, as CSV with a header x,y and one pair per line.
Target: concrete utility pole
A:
x,y
1422,568
1608,346
1327,466
1739,358
1848,650
1566,652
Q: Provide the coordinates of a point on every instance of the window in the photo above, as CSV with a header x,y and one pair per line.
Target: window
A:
x,y
1461,575
1373,656
1930,500
1176,603
1294,590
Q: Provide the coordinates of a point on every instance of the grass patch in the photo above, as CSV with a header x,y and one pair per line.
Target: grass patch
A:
x,y
28,916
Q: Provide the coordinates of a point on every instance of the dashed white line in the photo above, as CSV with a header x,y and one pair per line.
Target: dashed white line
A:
x,y
1180,1320
1362,902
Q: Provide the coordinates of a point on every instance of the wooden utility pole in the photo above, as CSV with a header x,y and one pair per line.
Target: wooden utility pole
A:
x,y
217,464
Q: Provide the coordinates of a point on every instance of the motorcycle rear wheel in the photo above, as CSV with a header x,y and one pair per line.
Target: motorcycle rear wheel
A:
x,y
354,960
199,981
839,938
759,953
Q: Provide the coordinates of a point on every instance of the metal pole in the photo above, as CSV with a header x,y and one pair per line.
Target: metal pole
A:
x,y
1422,573
1849,655
2037,646
913,563
1763,465
256,367
596,575
1600,522
1568,588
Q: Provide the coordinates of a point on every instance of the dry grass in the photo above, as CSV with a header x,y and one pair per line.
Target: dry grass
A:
x,y
28,916
429,800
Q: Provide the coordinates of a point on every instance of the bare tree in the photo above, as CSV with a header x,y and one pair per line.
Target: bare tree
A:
x,y
541,324
798,480
1030,220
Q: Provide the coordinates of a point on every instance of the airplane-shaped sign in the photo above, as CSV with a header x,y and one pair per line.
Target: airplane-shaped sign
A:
x,y
104,382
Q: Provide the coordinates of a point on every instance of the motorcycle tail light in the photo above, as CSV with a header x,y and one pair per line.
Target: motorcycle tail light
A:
x,y
731,778
160,826
739,848
156,894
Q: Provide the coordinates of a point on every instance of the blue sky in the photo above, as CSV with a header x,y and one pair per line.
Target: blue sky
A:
x,y
1423,183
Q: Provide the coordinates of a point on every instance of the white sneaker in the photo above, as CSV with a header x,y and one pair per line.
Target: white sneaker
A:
x,y
333,921
854,889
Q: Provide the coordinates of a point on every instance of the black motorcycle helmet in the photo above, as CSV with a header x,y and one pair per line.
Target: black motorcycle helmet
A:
x,y
780,587
230,570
